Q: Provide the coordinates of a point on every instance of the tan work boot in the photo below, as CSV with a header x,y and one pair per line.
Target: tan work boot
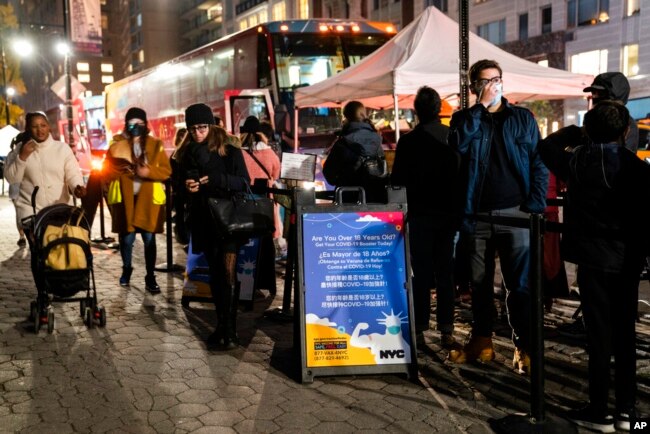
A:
x,y
521,362
478,348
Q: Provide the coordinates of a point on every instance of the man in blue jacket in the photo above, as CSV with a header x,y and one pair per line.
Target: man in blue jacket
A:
x,y
505,178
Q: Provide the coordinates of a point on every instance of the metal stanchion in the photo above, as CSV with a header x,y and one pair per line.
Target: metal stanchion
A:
x,y
169,266
284,313
95,189
537,421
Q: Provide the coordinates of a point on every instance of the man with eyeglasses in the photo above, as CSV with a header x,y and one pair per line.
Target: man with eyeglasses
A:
x,y
505,177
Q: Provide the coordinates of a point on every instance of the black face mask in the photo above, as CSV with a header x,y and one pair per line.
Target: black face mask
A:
x,y
136,130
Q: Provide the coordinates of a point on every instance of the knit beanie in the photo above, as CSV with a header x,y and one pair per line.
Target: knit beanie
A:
x,y
135,113
251,125
199,114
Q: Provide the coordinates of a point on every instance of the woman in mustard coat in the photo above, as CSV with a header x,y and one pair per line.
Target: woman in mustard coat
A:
x,y
137,167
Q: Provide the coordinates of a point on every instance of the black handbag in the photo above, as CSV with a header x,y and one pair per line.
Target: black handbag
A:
x,y
242,216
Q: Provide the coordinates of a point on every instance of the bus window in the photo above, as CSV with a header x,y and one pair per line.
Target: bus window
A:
x,y
245,106
263,65
359,47
304,59
314,120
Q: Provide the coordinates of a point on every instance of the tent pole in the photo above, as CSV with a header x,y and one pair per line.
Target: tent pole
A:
x,y
396,118
295,130
463,30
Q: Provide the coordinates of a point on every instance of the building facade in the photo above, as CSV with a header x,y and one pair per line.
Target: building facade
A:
x,y
585,36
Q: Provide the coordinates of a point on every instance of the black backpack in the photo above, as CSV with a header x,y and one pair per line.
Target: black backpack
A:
x,y
346,164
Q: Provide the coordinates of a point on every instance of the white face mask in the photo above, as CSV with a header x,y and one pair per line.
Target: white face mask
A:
x,y
499,94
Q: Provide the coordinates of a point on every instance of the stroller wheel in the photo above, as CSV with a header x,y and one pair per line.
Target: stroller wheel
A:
x,y
50,321
33,310
90,321
82,308
102,316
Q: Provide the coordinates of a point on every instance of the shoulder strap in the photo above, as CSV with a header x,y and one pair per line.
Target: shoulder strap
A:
x,y
250,152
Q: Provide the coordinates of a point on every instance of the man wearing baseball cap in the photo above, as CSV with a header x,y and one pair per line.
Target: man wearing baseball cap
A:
x,y
614,86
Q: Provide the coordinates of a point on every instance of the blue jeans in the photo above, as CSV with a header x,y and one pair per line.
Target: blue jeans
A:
x,y
126,249
513,246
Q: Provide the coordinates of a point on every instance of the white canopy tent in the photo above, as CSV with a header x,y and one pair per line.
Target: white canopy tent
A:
x,y
426,53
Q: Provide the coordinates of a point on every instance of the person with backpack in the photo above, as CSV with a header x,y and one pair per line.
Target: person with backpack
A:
x,y
356,158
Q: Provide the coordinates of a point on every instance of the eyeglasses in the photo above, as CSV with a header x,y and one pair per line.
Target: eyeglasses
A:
x,y
484,81
198,128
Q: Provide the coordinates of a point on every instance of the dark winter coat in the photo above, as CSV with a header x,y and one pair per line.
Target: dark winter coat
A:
x,y
605,200
430,170
341,168
226,175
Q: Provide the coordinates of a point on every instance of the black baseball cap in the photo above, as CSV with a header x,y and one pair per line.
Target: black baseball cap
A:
x,y
613,84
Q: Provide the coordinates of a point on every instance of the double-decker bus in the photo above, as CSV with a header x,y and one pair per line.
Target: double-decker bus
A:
x,y
275,58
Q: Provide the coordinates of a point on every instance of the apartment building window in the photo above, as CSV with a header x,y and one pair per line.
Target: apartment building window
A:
x,y
83,67
243,24
375,5
215,12
587,12
107,67
495,32
107,79
104,22
279,11
631,60
303,9
141,56
83,78
590,62
547,17
523,27
442,5
632,7
138,20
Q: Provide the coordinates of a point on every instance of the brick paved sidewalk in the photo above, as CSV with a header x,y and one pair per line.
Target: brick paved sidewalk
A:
x,y
149,370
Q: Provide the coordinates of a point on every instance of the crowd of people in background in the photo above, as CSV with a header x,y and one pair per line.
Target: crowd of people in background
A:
x,y
489,163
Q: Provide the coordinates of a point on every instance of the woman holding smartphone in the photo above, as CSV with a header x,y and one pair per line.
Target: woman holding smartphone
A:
x,y
40,161
138,162
213,168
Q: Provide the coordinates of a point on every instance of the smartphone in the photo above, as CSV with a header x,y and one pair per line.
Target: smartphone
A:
x,y
24,137
193,174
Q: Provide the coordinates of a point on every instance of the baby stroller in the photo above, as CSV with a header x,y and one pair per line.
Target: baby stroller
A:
x,y
61,263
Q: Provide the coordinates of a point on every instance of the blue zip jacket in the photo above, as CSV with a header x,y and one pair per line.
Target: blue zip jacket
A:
x,y
471,133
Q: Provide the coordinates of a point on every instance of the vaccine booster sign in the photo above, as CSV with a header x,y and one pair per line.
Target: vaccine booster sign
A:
x,y
356,311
